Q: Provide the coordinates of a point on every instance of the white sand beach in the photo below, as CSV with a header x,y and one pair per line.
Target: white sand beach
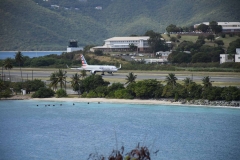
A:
x,y
127,101
102,100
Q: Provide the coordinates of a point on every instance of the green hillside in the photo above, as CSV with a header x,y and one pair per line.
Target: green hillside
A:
x,y
35,25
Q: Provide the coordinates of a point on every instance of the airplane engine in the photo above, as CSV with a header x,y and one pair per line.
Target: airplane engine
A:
x,y
92,72
110,72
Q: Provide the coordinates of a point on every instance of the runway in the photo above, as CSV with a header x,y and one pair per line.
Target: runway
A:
x,y
218,77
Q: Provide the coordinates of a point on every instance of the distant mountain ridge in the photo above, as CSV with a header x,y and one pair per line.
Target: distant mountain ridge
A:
x,y
35,25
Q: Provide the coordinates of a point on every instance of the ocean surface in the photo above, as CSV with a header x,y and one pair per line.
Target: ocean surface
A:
x,y
31,54
43,130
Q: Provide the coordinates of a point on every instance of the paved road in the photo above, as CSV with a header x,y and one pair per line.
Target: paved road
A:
x,y
122,76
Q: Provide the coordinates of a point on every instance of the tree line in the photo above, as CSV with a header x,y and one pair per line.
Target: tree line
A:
x,y
94,86
213,27
200,53
153,89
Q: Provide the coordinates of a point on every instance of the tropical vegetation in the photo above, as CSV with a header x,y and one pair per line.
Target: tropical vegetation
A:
x,y
19,60
43,92
94,86
9,88
131,78
7,64
138,153
58,78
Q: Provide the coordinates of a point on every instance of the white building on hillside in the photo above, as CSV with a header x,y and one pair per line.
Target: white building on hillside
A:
x,y
163,55
155,61
224,58
122,44
237,55
237,50
226,26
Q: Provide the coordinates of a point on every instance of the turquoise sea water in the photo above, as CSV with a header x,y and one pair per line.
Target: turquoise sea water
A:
x,y
33,130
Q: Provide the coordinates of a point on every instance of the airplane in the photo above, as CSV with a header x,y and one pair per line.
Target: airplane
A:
x,y
96,68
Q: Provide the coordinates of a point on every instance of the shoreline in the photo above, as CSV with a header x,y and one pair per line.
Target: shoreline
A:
x,y
101,100
129,101
197,103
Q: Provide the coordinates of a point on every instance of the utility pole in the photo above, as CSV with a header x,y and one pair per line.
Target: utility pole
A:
x,y
78,90
65,86
2,73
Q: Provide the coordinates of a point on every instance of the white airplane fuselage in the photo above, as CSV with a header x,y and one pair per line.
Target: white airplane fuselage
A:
x,y
97,68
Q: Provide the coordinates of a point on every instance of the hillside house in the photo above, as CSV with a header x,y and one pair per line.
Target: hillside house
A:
x,y
237,55
224,57
54,6
155,60
163,55
98,8
226,26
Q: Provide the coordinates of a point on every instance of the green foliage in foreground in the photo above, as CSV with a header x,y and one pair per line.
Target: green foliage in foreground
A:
x,y
153,89
138,153
61,93
5,89
29,86
43,92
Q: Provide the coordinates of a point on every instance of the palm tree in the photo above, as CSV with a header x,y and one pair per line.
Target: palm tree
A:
x,y
171,79
54,82
8,65
19,60
83,73
61,77
187,81
131,78
58,77
75,82
206,82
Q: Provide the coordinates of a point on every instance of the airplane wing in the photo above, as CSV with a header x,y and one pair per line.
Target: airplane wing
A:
x,y
76,68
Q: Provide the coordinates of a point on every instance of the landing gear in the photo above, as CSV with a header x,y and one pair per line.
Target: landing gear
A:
x,y
111,73
102,73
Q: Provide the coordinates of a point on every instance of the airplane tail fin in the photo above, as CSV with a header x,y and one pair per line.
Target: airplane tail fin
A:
x,y
120,66
84,62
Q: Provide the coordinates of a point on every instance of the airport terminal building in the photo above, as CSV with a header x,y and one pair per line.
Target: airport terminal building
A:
x,y
116,44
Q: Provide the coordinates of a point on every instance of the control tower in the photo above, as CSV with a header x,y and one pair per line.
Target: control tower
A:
x,y
73,46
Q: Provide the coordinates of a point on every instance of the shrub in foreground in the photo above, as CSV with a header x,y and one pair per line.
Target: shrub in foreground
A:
x,y
138,153
43,92
5,93
123,94
61,93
